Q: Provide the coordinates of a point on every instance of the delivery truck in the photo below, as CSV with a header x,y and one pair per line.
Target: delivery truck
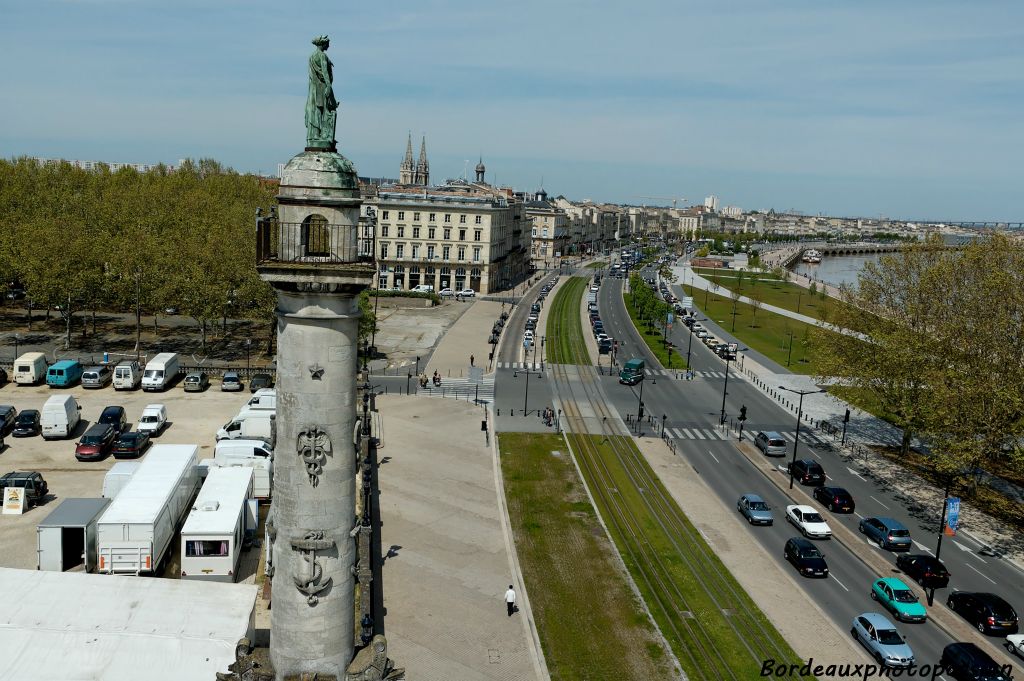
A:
x,y
212,538
135,533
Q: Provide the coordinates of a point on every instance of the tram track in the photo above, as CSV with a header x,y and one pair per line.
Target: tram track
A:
x,y
714,629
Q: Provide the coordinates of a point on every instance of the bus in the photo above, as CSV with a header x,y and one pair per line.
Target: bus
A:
x,y
632,372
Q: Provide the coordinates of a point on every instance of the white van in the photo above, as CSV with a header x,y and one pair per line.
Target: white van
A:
x,y
245,448
423,288
153,420
127,375
251,426
60,417
262,399
160,371
30,368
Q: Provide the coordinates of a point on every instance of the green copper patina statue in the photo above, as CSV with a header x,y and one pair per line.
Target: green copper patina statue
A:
x,y
321,106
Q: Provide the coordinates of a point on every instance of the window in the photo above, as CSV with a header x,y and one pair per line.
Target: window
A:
x,y
430,252
447,233
415,217
401,215
384,214
415,232
447,217
462,219
383,272
462,252
401,231
462,235
316,237
476,234
476,254
206,547
534,233
545,234
383,251
431,231
383,230
479,220
446,252
399,250
415,251
432,217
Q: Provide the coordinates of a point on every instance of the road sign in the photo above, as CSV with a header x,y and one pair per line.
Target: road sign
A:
x,y
952,515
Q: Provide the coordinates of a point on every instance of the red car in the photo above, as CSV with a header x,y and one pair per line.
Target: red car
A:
x,y
96,443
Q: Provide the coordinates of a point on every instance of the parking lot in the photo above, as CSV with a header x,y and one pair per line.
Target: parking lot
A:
x,y
193,418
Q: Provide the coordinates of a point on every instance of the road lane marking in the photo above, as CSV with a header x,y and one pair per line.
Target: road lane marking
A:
x,y
838,582
855,473
922,547
964,548
713,456
880,503
980,572
858,515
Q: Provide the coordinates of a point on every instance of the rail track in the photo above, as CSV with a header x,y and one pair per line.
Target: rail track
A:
x,y
712,626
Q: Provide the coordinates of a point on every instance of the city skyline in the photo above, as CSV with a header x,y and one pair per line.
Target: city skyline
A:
x,y
907,112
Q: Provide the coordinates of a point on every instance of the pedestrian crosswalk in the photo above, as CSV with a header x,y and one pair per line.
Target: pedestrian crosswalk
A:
x,y
533,366
712,433
461,389
679,374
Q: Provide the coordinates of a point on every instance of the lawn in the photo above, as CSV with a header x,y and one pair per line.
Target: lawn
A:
x,y
563,325
590,623
654,339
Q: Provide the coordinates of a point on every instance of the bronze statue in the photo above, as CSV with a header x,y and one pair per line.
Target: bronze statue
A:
x,y
321,106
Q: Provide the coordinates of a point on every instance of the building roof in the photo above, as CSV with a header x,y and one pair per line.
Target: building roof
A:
x,y
145,494
75,513
56,626
217,507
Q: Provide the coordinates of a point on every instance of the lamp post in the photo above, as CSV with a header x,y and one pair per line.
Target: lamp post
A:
x,y
248,346
17,339
689,345
640,404
799,414
526,395
790,358
725,386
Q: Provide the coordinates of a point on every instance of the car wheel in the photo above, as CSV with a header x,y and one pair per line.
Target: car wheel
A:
x,y
874,596
831,506
1010,648
860,528
981,627
950,605
881,543
853,632
750,520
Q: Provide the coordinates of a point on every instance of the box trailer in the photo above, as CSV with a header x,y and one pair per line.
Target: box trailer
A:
x,y
66,539
211,540
118,476
135,533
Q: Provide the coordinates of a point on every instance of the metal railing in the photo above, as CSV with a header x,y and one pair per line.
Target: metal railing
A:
x,y
310,242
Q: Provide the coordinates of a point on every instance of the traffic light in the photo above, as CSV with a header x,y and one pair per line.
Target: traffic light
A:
x,y
743,413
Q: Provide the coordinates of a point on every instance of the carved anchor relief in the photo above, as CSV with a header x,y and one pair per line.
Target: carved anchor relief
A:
x,y
310,572
313,446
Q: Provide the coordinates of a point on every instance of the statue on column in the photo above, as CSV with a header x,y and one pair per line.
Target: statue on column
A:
x,y
321,105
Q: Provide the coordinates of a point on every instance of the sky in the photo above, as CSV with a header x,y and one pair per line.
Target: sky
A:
x,y
906,109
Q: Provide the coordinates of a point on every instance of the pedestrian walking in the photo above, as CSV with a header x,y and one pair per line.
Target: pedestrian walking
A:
x,y
471,360
510,600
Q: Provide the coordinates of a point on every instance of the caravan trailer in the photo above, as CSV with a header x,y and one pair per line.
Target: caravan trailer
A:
x,y
211,540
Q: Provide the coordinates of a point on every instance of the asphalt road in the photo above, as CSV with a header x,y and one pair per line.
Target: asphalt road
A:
x,y
697,405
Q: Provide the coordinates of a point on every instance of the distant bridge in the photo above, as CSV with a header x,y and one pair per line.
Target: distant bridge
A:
x,y
981,225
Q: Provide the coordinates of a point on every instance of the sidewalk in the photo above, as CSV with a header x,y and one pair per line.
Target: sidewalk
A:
x,y
448,557
467,337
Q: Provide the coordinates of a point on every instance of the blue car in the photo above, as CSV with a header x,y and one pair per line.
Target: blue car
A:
x,y
886,532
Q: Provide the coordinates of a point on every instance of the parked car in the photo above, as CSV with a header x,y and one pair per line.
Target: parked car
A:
x,y
32,482
153,419
1015,644
115,417
260,381
95,443
986,611
805,557
231,382
446,293
3,376
97,377
807,471
968,662
886,532
926,570
8,414
130,445
882,640
755,509
770,443
196,382
27,424
808,521
895,595
467,293
835,499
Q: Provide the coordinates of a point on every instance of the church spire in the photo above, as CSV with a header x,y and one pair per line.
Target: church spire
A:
x,y
406,171
423,166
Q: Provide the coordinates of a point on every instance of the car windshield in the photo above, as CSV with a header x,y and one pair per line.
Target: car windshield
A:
x,y
812,518
889,637
904,596
127,439
810,552
91,439
27,417
814,468
149,419
758,506
777,443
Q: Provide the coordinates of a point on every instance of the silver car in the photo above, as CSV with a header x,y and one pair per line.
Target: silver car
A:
x,y
882,640
755,509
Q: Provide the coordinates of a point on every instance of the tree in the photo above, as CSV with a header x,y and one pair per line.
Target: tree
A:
x,y
756,299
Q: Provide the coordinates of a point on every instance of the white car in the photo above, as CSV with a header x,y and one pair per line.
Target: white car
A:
x,y
1015,644
809,522
467,293
446,293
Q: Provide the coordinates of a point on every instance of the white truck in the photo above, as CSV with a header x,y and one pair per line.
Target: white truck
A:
x,y
135,533
160,371
251,426
30,368
211,540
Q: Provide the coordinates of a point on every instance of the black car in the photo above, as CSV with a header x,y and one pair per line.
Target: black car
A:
x,y
27,424
805,557
928,571
988,612
3,376
32,482
7,416
130,445
807,471
968,662
835,499
259,381
114,416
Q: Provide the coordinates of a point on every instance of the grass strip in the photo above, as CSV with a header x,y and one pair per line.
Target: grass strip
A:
x,y
590,623
563,324
654,339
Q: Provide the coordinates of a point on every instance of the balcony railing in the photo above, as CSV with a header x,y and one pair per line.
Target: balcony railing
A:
x,y
312,243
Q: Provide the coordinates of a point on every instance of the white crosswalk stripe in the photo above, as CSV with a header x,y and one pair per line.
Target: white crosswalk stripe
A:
x,y
697,434
461,388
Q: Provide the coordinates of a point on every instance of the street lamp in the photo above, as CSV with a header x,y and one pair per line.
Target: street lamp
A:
x,y
17,339
640,404
799,414
526,396
248,345
689,345
725,386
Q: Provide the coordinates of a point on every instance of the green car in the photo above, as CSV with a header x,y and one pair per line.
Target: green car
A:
x,y
897,596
